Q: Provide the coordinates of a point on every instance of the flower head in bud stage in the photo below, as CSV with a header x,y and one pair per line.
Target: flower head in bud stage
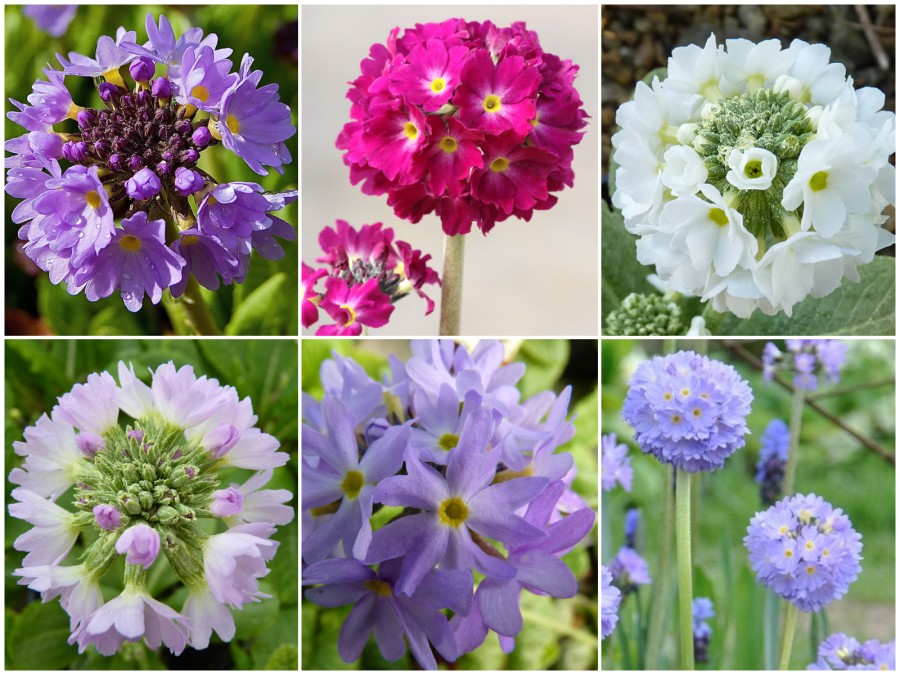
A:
x,y
841,652
367,273
144,491
610,597
701,611
466,120
773,456
688,410
806,359
755,176
804,550
136,157
645,314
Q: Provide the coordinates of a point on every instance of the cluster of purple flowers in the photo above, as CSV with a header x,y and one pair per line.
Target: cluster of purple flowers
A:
x,y
615,464
840,652
367,273
804,550
702,610
52,19
143,484
610,597
805,358
134,161
773,456
464,119
688,410
482,489
629,569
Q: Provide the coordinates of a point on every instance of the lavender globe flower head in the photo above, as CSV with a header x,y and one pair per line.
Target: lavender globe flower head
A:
x,y
804,550
138,153
143,461
840,652
615,465
688,410
610,598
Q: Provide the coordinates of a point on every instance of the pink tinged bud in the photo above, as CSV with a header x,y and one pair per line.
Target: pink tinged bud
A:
x,y
227,502
107,516
136,434
140,543
221,439
190,471
89,443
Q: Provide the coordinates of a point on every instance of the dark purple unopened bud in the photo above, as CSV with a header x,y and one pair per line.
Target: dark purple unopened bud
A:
x,y
201,137
135,163
102,149
143,185
161,88
168,155
116,162
85,118
108,91
89,443
144,97
187,182
67,150
184,127
142,69
163,168
189,156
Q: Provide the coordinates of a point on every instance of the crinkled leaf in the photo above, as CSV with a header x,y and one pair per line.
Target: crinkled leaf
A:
x,y
286,657
38,638
621,273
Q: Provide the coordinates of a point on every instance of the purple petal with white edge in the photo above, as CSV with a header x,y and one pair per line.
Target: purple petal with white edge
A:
x,y
422,487
565,534
389,631
385,456
498,602
420,538
356,629
446,588
544,572
343,452
471,466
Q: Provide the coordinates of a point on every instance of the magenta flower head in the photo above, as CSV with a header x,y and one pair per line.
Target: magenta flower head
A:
x,y
804,550
841,652
367,273
146,139
688,410
467,120
610,598
152,487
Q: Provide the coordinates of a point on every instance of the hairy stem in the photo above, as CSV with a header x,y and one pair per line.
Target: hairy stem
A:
x,y
790,626
451,285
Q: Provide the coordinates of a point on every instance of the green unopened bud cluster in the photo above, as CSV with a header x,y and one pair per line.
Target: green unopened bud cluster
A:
x,y
645,314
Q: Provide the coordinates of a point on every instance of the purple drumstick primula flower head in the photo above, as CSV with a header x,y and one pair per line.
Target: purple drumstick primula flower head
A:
x,y
629,570
841,652
150,485
805,360
773,456
688,410
610,597
146,140
615,464
804,550
52,19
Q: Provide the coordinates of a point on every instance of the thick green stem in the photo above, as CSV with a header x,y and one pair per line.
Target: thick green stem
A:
x,y
790,472
451,284
685,572
790,626
660,599
189,313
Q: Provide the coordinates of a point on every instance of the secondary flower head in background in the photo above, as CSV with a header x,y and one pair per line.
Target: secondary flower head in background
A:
x,y
773,456
142,484
610,598
804,550
702,610
134,161
470,121
367,273
806,358
755,176
840,652
688,410
615,464
629,570
52,19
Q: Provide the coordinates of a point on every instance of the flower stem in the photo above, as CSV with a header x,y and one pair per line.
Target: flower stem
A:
x,y
451,284
660,601
685,576
790,471
189,313
790,625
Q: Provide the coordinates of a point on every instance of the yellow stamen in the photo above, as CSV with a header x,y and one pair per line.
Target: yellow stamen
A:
x,y
448,441
114,77
130,243
438,84
351,314
93,199
411,131
449,144
232,123
200,92
453,512
378,587
499,165
819,181
718,216
353,482
491,103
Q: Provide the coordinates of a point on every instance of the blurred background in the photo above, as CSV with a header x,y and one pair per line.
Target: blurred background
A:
x,y
831,463
269,34
534,278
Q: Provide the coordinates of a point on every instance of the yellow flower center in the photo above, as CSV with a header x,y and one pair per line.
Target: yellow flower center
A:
x,y
697,412
534,122
379,587
491,103
411,131
718,216
453,512
232,123
676,419
438,84
351,315
448,441
810,570
667,396
200,92
783,529
130,243
353,482
190,240
500,165
449,144
93,199
753,169
819,181
788,553
810,546
113,76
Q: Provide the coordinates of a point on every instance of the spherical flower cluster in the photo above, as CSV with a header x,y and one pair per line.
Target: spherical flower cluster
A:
x,y
688,410
840,652
804,359
804,550
773,456
135,160
610,598
481,487
467,120
755,176
143,462
615,464
367,273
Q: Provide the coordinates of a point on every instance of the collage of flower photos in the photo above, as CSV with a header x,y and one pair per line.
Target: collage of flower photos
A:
x,y
483,337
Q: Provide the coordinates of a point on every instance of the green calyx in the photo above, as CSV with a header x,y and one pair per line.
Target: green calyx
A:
x,y
761,119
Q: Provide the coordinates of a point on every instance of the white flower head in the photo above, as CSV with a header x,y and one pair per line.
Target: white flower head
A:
x,y
751,169
685,172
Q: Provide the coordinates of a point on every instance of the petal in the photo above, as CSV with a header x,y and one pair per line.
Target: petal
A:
x,y
420,538
498,602
422,488
356,629
545,572
472,464
385,456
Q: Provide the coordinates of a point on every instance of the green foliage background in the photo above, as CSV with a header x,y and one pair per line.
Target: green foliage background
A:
x,y
557,634
266,303
831,464
37,373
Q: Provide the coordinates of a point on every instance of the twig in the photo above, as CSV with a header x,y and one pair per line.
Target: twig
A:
x,y
840,391
738,349
874,42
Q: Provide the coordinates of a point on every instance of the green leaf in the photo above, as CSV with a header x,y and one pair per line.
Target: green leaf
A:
x,y
583,446
545,361
64,316
621,272
265,311
286,657
864,308
39,637
282,632
320,638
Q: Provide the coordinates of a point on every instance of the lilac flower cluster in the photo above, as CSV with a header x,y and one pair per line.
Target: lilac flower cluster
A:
x,y
804,359
615,464
628,568
702,610
840,652
464,119
773,456
134,160
688,410
804,550
610,597
143,463
367,273
52,19
482,489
